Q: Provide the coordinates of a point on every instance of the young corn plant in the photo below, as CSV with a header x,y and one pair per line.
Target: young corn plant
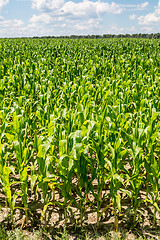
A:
x,y
6,185
115,179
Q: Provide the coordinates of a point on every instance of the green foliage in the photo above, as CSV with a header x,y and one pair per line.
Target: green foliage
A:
x,y
80,117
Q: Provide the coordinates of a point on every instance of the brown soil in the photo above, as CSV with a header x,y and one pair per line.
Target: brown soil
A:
x,y
53,222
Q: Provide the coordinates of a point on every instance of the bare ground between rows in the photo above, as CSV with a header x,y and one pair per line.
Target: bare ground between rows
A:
x,y
54,222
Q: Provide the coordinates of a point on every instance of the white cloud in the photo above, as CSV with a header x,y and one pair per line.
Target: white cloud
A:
x,y
90,25
133,17
151,18
136,7
42,18
115,29
81,16
142,6
81,8
17,22
47,5
8,24
69,11
147,29
12,27
89,8
3,3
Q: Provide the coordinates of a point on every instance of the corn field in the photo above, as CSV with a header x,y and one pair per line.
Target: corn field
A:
x,y
80,127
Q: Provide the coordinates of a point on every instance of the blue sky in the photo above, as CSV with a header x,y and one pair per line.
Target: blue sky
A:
x,y
20,18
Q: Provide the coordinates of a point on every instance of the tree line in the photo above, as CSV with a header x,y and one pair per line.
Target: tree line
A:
x,y
137,35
